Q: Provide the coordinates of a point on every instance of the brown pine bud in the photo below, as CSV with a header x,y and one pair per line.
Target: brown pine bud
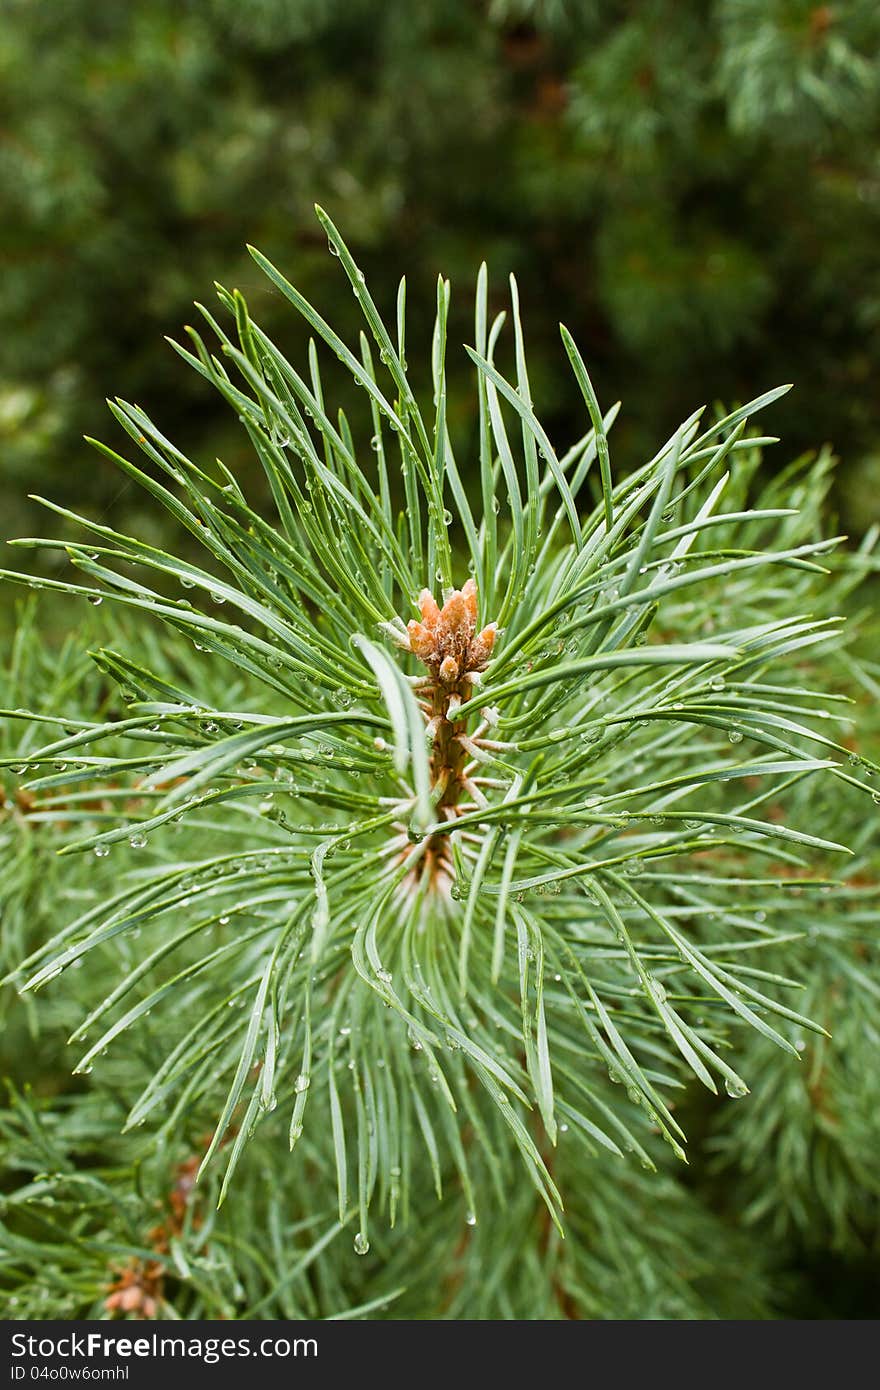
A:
x,y
428,608
481,647
469,594
421,640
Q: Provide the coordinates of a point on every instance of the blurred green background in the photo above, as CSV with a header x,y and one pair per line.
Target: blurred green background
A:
x,y
694,189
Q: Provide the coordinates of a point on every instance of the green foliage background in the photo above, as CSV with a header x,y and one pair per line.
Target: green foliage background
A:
x,y
695,190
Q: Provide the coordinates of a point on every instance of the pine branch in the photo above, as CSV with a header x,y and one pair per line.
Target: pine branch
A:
x,y
455,857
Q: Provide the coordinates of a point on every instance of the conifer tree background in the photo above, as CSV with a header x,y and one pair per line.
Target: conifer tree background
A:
x,y
695,192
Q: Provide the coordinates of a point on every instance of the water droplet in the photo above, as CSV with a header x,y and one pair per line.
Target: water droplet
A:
x,y
101,851
385,976
302,1082
471,1219
361,1244
95,599
735,1087
717,683
735,736
137,840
